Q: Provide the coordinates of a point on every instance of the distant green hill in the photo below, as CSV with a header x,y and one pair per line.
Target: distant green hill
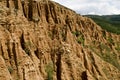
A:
x,y
110,23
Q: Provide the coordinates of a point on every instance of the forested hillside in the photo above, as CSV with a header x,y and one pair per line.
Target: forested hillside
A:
x,y
110,23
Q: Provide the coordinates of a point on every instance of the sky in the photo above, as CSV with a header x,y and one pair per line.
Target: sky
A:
x,y
98,7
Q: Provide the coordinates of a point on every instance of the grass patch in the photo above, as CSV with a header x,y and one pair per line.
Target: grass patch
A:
x,y
77,33
50,35
80,38
117,47
49,70
106,72
106,55
10,69
111,58
104,34
28,45
110,40
104,47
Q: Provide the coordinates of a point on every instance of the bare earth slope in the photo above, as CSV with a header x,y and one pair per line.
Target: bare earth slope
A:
x,y
42,40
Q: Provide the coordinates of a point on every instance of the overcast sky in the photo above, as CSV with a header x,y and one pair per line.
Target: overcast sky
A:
x,y
100,7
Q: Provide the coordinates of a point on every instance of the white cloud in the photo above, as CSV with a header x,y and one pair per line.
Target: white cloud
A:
x,y
103,7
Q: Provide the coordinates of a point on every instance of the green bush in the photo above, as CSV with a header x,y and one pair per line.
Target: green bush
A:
x,y
117,47
80,40
27,51
50,34
27,45
110,40
104,34
77,33
10,69
49,70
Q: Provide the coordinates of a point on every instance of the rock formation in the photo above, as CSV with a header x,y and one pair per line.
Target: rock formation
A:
x,y
43,40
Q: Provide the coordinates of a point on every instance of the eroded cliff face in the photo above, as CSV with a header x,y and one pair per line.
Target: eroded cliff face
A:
x,y
42,40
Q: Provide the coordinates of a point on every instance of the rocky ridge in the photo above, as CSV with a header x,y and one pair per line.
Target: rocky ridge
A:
x,y
42,40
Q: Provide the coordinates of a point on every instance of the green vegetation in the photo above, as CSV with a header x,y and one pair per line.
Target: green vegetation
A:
x,y
28,45
1,10
110,40
111,23
50,34
49,70
10,69
80,38
118,47
77,33
106,54
104,34
105,71
111,58
104,47
27,51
